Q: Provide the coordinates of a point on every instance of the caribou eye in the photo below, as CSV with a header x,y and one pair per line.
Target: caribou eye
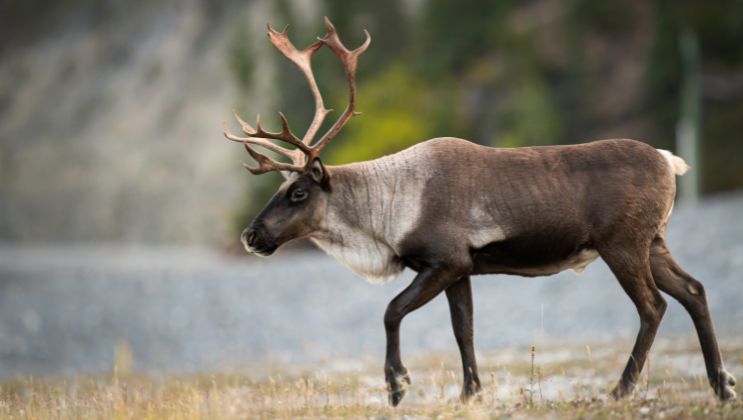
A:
x,y
298,195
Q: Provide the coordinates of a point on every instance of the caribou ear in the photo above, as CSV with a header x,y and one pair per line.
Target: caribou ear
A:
x,y
318,172
286,174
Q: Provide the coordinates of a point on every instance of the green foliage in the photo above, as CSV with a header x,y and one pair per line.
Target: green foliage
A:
x,y
599,16
664,71
530,116
397,110
452,34
720,28
525,108
385,21
721,149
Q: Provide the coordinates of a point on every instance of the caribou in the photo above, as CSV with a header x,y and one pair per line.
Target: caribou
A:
x,y
449,209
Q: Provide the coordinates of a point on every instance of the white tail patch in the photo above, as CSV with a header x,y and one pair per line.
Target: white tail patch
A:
x,y
677,164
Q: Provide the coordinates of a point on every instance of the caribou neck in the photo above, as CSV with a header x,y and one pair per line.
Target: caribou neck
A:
x,y
362,200
368,213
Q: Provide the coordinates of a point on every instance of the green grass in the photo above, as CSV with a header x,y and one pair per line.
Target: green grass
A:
x,y
564,382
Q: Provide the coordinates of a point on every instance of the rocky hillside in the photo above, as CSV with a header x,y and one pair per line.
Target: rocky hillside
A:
x,y
111,119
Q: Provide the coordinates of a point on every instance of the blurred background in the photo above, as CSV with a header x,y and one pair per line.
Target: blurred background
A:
x,y
121,203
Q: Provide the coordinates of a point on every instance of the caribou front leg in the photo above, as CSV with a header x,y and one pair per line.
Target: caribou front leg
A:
x,y
459,295
426,285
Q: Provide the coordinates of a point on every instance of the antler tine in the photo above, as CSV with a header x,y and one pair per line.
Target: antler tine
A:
x,y
302,60
259,137
285,135
266,164
305,151
349,59
259,142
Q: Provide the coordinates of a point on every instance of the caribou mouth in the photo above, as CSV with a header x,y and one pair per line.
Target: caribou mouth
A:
x,y
262,252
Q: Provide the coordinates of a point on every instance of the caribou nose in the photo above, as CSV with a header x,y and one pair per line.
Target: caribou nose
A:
x,y
257,240
252,237
249,237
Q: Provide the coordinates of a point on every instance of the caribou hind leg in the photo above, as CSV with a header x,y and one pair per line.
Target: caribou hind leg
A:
x,y
673,280
427,284
632,268
459,295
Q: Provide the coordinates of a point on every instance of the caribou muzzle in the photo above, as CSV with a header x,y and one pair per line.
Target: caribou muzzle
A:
x,y
257,240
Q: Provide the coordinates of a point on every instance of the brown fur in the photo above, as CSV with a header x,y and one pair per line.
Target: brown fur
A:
x,y
449,209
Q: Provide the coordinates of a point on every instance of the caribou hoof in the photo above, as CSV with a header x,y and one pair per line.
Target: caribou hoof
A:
x,y
724,389
397,385
471,393
619,392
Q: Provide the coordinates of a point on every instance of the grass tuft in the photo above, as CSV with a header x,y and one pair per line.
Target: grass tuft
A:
x,y
572,382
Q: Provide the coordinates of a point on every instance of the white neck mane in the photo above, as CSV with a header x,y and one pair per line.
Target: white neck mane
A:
x,y
370,259
372,207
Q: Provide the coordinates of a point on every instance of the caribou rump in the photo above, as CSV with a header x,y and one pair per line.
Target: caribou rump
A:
x,y
449,209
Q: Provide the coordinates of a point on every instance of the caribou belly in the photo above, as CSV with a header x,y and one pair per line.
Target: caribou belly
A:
x,y
532,258
577,262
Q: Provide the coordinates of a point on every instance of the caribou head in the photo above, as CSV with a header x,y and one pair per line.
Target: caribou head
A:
x,y
295,209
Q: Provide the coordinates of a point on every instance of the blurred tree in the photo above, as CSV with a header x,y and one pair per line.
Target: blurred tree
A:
x,y
402,108
719,28
452,34
526,73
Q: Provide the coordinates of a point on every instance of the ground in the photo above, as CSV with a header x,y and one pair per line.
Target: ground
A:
x,y
563,382
298,335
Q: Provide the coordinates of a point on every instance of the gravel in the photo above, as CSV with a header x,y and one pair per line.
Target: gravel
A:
x,y
67,309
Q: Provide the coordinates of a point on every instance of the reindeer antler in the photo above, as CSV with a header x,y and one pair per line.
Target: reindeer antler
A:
x,y
349,60
304,152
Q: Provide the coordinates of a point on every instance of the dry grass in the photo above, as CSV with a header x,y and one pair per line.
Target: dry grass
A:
x,y
564,382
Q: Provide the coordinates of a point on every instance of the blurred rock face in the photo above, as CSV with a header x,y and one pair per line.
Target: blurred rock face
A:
x,y
110,127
